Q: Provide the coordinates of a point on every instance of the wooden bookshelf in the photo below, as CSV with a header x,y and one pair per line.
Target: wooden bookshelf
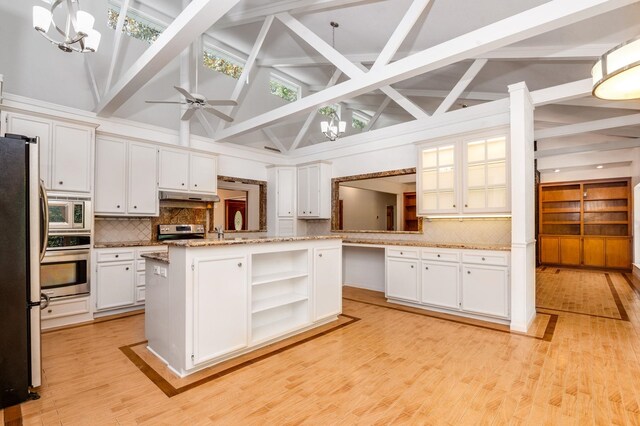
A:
x,y
409,211
585,223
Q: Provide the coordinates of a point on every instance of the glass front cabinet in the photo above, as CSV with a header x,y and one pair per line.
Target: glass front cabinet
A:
x,y
464,176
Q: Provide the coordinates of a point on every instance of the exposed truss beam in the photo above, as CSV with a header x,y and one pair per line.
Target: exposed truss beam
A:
x,y
429,93
205,123
117,41
593,102
415,11
92,80
563,92
588,126
377,115
257,14
600,146
307,123
350,69
274,140
193,21
460,87
546,17
244,80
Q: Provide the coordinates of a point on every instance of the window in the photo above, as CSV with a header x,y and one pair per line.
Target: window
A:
x,y
359,120
135,26
284,89
223,62
328,110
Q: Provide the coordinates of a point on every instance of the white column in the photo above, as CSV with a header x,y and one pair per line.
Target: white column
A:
x,y
523,243
186,57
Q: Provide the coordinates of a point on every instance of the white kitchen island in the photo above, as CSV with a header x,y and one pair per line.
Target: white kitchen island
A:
x,y
211,300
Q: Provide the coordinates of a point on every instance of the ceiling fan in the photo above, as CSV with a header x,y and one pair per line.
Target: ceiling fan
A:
x,y
196,101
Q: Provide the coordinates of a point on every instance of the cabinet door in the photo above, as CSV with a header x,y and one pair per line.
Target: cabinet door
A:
x,y
313,188
593,251
71,158
303,191
437,180
570,250
485,171
327,282
285,193
203,176
549,250
32,127
220,307
440,284
485,290
143,180
111,176
618,253
402,279
115,283
174,169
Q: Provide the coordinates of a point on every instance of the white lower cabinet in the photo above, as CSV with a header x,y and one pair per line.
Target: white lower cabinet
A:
x,y
471,282
328,282
485,290
220,321
64,312
402,279
439,284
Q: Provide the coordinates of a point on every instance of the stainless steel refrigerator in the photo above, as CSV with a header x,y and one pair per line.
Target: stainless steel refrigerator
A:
x,y
21,247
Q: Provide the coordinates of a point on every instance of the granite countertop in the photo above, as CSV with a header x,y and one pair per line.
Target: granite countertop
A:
x,y
160,256
119,244
407,243
259,240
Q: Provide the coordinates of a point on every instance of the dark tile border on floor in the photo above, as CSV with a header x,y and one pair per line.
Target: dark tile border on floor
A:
x,y
616,297
170,391
629,281
13,416
548,333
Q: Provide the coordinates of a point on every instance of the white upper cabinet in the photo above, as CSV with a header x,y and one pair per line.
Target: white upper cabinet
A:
x,y
66,151
111,176
203,174
143,180
314,191
464,177
126,178
285,192
174,169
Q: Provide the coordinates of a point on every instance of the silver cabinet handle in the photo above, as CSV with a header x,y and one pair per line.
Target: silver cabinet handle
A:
x,y
401,253
118,206
61,182
239,264
195,184
182,184
426,267
483,258
135,207
438,255
44,301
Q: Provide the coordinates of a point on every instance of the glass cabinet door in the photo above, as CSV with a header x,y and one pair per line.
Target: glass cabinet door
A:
x,y
485,176
438,179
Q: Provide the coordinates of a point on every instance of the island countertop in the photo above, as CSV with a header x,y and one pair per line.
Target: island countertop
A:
x,y
207,242
409,243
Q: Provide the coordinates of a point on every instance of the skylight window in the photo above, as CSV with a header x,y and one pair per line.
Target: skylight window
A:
x,y
284,89
328,110
223,62
359,120
135,26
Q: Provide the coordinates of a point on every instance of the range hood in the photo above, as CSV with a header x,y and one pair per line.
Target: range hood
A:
x,y
184,196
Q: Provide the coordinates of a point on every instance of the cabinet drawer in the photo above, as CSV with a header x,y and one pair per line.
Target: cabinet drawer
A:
x,y
65,308
486,258
141,279
115,256
441,255
405,252
140,293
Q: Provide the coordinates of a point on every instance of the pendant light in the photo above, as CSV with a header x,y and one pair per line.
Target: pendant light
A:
x,y
333,128
616,75
78,33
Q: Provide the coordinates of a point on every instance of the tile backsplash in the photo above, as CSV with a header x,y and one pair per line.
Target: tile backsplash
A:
x,y
111,230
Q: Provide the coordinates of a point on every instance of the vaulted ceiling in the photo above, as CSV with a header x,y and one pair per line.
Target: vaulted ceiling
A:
x,y
437,49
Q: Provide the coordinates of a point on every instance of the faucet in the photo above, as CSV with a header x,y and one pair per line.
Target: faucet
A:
x,y
220,231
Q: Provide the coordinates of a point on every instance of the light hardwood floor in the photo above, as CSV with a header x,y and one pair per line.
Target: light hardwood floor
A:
x,y
391,367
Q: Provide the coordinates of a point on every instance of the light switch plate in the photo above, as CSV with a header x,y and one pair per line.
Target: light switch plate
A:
x,y
156,270
163,272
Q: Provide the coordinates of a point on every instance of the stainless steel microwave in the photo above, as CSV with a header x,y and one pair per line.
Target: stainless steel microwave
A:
x,y
69,214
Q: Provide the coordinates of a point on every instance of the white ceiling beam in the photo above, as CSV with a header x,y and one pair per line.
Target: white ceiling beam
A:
x,y
377,115
600,146
205,123
193,21
460,87
305,127
588,126
244,80
593,102
538,20
429,93
274,140
562,92
117,41
92,80
415,11
350,69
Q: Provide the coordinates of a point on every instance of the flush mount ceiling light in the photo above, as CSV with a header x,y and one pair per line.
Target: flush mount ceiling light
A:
x,y
333,128
616,75
78,33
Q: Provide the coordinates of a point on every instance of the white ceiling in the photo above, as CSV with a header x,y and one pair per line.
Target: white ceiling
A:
x,y
35,69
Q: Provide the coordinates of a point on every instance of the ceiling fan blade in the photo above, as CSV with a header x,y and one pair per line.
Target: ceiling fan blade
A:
x,y
166,102
187,114
184,93
228,102
217,113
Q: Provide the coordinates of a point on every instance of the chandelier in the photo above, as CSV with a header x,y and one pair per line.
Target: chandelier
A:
x,y
616,75
333,128
78,33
